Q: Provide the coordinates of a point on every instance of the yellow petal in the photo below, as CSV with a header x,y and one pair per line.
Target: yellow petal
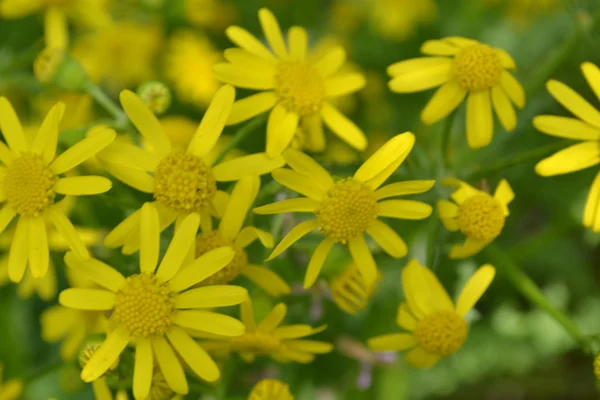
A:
x,y
280,135
249,234
592,75
404,209
469,248
245,59
149,238
105,355
298,232
272,32
439,48
421,358
504,109
573,102
17,259
66,229
82,151
243,195
420,74
343,127
392,342
211,296
404,188
405,319
212,123
397,148
273,319
254,164
445,100
87,299
102,274
7,214
204,266
137,179
56,31
11,127
416,290
475,288
480,123
119,235
298,42
248,42
298,183
568,128
310,346
513,89
39,254
46,139
101,389
206,321
505,59
388,239
194,355
170,366
251,106
448,212
142,371
316,261
308,167
243,78
573,158
184,237
301,204
82,185
331,62
363,259
591,215
247,314
267,280
504,194
344,84
314,136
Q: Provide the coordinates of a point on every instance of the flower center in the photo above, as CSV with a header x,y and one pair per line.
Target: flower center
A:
x,y
442,333
481,217
29,185
299,87
184,183
144,306
258,343
347,210
270,389
477,67
214,240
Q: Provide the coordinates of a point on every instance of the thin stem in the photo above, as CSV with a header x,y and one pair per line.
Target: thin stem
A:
x,y
522,158
445,140
107,103
239,136
505,265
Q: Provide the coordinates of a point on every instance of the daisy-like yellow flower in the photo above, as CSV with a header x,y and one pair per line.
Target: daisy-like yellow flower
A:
x,y
476,214
270,389
88,13
347,209
11,389
232,233
465,68
350,292
182,181
437,327
296,87
585,127
30,182
270,339
188,65
152,310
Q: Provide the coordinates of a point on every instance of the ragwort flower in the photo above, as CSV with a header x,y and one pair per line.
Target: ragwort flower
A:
x,y
347,209
477,214
296,87
464,68
437,327
270,339
270,389
30,183
182,181
150,307
230,233
10,390
585,128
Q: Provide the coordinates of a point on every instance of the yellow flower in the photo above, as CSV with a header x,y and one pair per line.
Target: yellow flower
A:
x,y
121,54
87,13
350,291
10,390
188,65
30,183
597,366
214,14
159,390
150,307
437,327
230,233
585,128
183,181
478,215
270,389
268,338
78,107
347,209
296,87
399,19
463,67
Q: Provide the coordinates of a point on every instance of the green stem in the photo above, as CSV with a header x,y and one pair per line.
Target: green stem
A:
x,y
107,103
445,140
532,292
239,136
522,158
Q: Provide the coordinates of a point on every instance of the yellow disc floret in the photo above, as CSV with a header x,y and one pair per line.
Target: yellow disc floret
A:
x,y
259,343
481,217
299,87
270,389
347,210
442,333
29,185
184,183
144,306
477,67
213,240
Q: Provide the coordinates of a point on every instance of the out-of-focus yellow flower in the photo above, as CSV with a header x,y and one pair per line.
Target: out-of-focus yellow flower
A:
x,y
478,216
347,209
231,233
295,86
585,128
350,291
270,389
11,389
155,304
188,65
86,13
172,166
270,339
524,11
31,182
399,19
214,14
78,107
465,68
437,327
122,54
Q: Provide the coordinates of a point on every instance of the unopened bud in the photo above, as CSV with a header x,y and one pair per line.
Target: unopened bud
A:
x,y
55,66
156,95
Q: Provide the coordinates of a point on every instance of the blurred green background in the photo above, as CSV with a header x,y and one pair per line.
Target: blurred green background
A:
x,y
513,351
